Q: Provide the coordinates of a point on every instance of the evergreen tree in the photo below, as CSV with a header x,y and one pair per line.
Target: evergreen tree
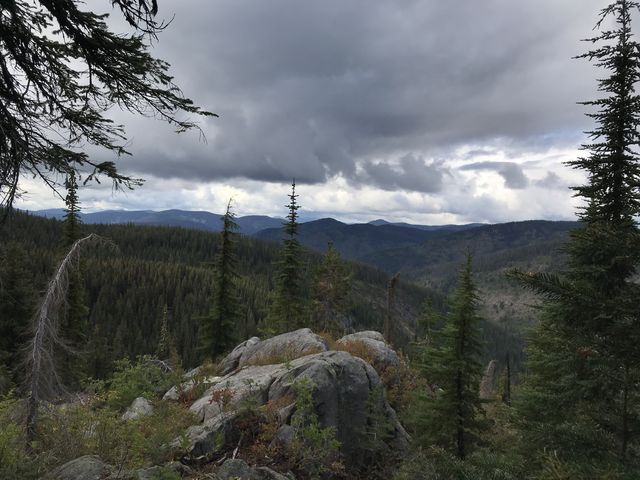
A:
x,y
75,321
72,221
17,303
583,390
166,344
448,414
331,289
56,89
287,307
220,326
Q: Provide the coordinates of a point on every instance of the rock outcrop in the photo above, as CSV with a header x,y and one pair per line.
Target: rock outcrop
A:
x,y
278,349
347,395
88,467
140,407
236,469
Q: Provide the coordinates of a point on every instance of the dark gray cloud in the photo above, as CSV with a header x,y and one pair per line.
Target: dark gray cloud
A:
x,y
511,172
409,173
314,89
552,180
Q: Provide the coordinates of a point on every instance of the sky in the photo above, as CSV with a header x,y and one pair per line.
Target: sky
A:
x,y
425,111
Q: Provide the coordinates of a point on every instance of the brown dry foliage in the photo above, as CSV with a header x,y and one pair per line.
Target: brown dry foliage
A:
x,y
284,355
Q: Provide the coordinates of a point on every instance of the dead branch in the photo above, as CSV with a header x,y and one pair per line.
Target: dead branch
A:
x,y
43,378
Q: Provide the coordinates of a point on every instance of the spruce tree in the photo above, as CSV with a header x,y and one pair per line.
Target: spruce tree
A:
x,y
583,390
220,327
287,306
75,323
449,413
331,288
57,88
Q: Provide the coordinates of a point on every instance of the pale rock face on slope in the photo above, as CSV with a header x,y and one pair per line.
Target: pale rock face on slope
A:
x,y
291,344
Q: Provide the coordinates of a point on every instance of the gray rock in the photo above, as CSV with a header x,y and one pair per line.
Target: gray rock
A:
x,y
192,373
236,469
88,467
150,473
284,436
140,407
382,355
231,361
155,472
278,349
173,394
348,393
265,473
250,384
209,438
370,334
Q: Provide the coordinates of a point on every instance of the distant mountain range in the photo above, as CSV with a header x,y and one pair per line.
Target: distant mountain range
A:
x,y
493,246
355,241
249,224
424,252
448,227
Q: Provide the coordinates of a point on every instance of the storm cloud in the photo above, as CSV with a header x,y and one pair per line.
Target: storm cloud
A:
x,y
511,172
310,89
374,96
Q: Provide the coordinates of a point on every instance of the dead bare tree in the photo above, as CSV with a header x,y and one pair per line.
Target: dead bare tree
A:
x,y
43,377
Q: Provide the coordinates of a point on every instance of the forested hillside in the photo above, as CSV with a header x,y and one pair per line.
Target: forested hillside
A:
x,y
431,258
128,284
248,224
497,249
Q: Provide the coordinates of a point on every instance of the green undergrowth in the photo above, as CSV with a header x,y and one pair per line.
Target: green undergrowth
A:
x,y
94,426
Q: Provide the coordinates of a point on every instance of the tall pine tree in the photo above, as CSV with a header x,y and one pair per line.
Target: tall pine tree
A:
x,y
219,328
287,306
75,323
583,391
449,414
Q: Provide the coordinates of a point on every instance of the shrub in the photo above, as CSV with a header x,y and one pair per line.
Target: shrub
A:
x,y
314,450
438,464
77,430
400,382
141,379
13,461
359,349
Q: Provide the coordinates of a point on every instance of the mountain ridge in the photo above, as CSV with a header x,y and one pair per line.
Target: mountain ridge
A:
x,y
204,220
